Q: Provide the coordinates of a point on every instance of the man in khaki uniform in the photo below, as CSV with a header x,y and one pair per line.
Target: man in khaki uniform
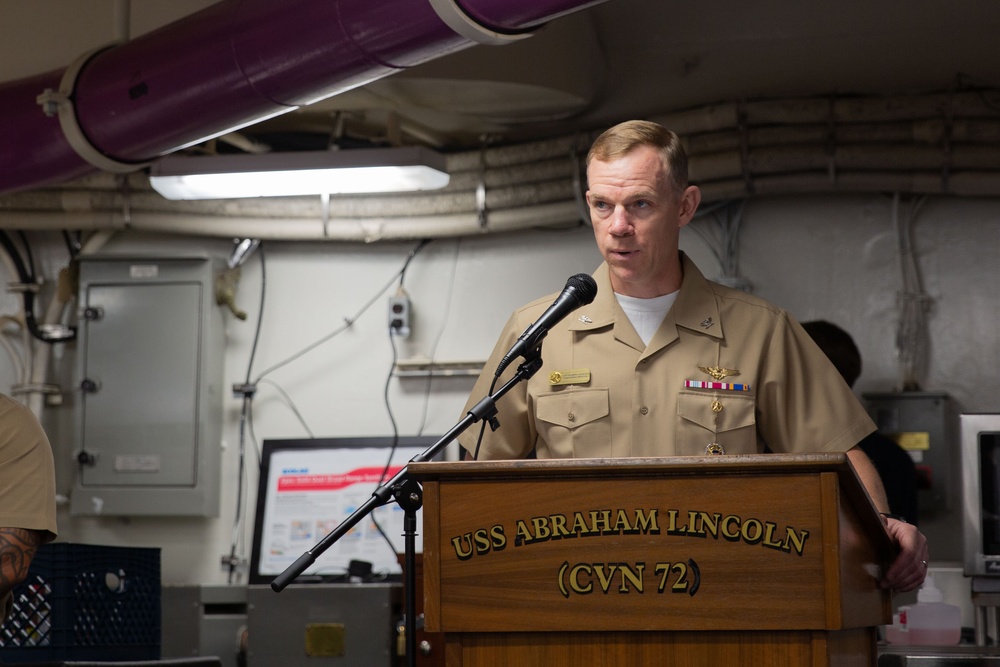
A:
x,y
664,362
27,495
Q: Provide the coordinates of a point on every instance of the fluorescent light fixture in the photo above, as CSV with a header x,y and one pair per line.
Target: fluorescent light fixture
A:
x,y
359,171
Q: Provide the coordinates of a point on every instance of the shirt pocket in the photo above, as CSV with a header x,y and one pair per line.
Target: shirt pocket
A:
x,y
575,424
734,427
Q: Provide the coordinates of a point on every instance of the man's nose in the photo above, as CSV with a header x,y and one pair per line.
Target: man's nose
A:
x,y
620,222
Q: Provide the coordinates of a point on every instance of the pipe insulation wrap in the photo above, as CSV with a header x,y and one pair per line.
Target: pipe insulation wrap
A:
x,y
230,65
867,150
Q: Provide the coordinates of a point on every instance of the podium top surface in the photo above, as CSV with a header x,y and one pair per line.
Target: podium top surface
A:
x,y
757,464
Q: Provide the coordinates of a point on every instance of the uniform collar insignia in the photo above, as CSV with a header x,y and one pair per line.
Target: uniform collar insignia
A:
x,y
586,320
718,373
707,323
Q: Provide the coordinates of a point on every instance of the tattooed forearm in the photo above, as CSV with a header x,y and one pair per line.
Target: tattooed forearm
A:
x,y
17,548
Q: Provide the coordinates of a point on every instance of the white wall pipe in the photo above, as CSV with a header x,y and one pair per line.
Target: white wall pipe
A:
x,y
866,145
353,229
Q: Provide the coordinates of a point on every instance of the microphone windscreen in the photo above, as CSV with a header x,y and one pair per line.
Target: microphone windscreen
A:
x,y
584,287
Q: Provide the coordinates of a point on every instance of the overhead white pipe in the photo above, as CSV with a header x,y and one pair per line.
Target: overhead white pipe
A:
x,y
302,229
920,155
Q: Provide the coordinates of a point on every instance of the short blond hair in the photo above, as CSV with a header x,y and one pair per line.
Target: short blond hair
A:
x,y
622,139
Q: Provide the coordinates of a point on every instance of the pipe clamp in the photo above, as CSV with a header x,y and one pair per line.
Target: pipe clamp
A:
x,y
61,103
456,19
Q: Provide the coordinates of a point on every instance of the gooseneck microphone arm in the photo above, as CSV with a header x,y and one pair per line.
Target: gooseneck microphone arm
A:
x,y
408,494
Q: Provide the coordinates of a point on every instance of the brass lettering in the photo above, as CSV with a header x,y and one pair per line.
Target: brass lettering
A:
x,y
693,523
710,523
604,578
458,543
795,541
693,527
631,576
769,540
541,525
646,523
752,531
498,538
672,527
559,530
580,524
628,577
600,522
482,540
522,534
731,528
574,579
622,526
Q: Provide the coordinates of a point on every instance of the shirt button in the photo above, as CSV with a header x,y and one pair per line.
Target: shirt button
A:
x,y
571,417
644,410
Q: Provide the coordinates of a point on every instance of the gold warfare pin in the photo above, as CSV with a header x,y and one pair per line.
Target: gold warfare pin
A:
x,y
718,373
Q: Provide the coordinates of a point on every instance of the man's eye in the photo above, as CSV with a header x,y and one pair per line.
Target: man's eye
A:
x,y
642,203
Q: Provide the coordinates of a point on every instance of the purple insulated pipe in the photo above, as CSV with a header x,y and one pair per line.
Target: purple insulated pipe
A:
x,y
230,65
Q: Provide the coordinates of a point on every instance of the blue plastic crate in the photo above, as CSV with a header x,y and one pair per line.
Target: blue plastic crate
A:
x,y
86,602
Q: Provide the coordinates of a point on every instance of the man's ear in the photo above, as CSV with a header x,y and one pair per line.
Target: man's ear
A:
x,y
690,200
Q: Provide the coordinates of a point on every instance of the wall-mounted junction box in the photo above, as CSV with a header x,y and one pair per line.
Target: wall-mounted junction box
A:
x,y
149,367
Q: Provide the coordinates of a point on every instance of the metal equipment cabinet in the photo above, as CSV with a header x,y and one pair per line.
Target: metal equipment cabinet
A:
x,y
150,360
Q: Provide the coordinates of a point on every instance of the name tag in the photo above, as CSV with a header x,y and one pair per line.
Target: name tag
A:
x,y
574,376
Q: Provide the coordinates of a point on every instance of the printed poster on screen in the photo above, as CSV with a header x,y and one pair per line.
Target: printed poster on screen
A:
x,y
309,494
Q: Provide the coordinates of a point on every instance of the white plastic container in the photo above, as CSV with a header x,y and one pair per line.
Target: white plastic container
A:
x,y
932,622
897,633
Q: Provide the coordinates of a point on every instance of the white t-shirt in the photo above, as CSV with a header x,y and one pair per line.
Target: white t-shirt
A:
x,y
646,315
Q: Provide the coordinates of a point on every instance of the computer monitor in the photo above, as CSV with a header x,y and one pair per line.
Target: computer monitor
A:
x,y
307,487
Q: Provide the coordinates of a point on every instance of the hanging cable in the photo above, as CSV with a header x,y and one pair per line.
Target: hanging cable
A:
x,y
911,332
249,387
247,390
290,403
28,286
385,390
348,321
437,338
392,366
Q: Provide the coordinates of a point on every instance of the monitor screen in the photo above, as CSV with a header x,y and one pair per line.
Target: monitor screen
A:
x,y
308,487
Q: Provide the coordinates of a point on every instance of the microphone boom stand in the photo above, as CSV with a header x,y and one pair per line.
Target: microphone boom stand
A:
x,y
408,494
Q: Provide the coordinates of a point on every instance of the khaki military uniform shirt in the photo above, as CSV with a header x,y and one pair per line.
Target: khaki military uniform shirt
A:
x,y
27,476
602,393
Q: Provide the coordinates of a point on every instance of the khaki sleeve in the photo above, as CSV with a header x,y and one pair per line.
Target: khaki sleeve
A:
x,y
27,472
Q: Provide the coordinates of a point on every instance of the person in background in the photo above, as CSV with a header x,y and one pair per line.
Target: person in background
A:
x,y
27,495
894,465
666,363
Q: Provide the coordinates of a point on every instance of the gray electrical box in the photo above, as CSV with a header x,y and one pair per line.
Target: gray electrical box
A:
x,y
204,620
919,422
150,361
311,625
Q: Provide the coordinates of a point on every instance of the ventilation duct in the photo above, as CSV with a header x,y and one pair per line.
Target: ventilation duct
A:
x,y
231,65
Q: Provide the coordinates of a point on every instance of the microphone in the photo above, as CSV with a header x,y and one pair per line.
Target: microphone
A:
x,y
579,291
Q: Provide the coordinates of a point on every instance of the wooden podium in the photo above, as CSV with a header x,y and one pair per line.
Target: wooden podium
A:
x,y
726,560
